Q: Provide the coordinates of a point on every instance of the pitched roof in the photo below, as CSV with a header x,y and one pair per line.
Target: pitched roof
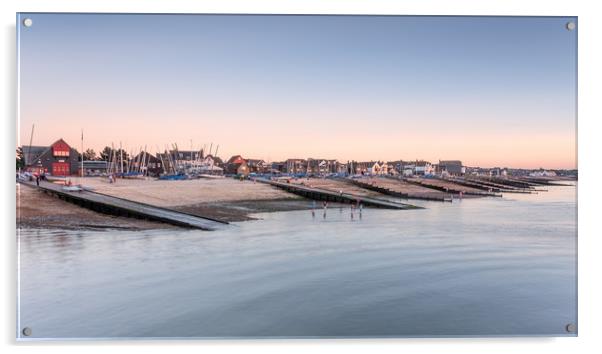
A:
x,y
253,162
450,162
236,159
422,163
32,153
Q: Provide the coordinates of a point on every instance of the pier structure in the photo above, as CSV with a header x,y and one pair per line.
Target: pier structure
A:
x,y
122,207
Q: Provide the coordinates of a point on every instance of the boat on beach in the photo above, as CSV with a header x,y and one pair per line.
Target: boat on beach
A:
x,y
76,188
174,177
206,176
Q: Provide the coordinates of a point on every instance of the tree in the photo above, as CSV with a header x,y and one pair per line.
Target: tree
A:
x,y
20,158
89,155
106,154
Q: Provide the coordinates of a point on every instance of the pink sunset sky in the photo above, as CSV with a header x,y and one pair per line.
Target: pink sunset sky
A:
x,y
274,88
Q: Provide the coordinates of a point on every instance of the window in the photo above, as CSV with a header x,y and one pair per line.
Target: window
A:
x,y
62,153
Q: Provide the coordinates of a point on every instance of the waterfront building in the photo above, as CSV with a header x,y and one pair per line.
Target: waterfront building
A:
x,y
324,166
451,167
396,167
391,170
423,168
257,166
147,164
366,167
93,168
233,165
340,167
542,173
296,166
186,155
58,159
278,167
211,160
210,165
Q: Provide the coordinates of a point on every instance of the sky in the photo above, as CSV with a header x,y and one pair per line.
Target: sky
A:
x,y
490,91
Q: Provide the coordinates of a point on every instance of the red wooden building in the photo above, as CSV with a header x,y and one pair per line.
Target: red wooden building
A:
x,y
58,159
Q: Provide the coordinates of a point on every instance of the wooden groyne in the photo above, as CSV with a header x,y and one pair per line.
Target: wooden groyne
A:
x,y
450,188
490,186
394,193
331,196
508,182
542,181
122,207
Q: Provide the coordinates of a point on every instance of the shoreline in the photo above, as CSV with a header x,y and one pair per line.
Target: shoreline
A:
x,y
226,200
36,209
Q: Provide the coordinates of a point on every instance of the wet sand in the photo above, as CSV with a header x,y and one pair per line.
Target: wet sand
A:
x,y
447,184
337,186
412,190
243,210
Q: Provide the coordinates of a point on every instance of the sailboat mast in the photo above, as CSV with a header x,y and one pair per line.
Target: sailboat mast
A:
x,y
82,171
30,142
113,157
144,162
120,158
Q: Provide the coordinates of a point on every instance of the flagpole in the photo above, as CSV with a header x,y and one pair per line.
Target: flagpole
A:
x,y
82,171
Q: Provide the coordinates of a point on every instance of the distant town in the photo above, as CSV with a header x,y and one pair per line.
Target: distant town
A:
x,y
62,159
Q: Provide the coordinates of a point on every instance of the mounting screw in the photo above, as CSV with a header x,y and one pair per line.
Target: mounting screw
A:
x,y
570,26
26,331
571,328
27,22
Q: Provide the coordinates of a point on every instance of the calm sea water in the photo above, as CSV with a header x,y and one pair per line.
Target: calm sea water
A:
x,y
496,266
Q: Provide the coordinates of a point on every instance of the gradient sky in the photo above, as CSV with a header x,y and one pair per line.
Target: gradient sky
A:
x,y
491,91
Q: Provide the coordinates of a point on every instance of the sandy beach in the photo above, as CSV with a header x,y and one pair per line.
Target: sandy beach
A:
x,y
36,209
224,199
188,192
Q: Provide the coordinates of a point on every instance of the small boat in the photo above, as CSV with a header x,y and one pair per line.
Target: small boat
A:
x,y
56,179
176,177
210,176
72,188
131,175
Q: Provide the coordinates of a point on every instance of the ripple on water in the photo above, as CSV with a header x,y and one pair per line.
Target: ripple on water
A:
x,y
478,266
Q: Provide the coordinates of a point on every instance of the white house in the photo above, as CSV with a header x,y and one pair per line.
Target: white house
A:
x,y
374,169
423,168
542,173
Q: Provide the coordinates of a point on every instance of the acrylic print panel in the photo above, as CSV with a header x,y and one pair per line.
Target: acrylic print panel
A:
x,y
241,176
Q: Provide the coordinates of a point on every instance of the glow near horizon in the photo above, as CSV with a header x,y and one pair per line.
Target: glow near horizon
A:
x,y
487,91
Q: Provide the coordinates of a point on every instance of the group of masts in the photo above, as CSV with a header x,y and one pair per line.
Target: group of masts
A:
x,y
174,164
132,166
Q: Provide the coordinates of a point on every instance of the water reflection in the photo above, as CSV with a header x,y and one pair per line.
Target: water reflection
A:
x,y
482,266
